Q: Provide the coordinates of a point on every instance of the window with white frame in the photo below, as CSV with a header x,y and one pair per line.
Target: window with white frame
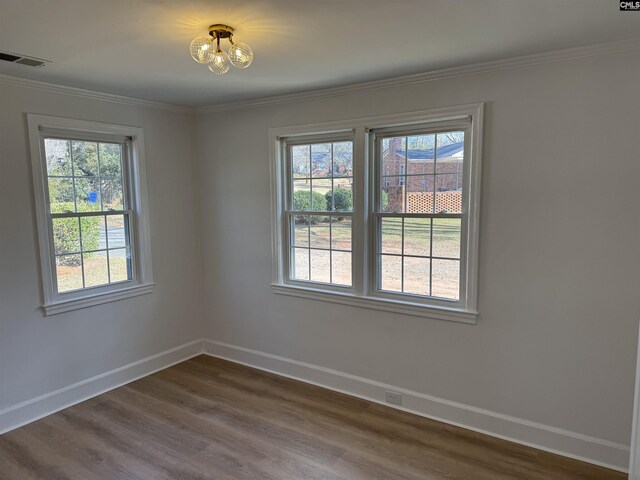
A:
x,y
418,214
319,209
90,197
382,213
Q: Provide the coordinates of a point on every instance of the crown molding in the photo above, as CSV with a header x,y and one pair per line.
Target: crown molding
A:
x,y
473,69
93,95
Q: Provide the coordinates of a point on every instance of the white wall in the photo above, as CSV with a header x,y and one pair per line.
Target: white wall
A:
x,y
40,354
559,277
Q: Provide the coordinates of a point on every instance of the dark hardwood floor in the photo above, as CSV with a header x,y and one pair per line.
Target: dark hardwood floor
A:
x,y
210,419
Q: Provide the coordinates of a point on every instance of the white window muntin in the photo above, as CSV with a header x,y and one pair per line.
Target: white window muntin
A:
x,y
375,162
366,181
127,212
134,191
286,146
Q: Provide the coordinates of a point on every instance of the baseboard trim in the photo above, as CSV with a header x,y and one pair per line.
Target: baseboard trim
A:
x,y
544,437
31,410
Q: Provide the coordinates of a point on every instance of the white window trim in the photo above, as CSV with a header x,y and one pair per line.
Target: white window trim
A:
x,y
140,239
362,294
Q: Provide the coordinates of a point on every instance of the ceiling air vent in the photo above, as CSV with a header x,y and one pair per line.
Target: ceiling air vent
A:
x,y
22,59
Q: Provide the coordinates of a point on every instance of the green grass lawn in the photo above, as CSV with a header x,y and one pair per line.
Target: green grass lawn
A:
x,y
95,272
423,238
417,235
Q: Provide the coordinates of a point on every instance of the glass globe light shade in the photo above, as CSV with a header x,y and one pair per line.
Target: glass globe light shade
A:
x,y
240,55
219,64
202,49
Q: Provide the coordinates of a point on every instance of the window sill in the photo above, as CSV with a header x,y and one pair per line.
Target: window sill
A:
x,y
407,308
96,299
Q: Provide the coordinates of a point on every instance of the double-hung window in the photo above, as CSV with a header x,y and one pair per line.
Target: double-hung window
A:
x,y
381,212
418,214
319,210
90,203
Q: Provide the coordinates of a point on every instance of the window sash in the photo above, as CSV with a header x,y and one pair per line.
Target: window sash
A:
x,y
127,195
416,215
129,247
326,213
425,128
315,139
290,246
365,134
286,145
378,254
375,163
82,136
374,257
125,149
130,259
93,213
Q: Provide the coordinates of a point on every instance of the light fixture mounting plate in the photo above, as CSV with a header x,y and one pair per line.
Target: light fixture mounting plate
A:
x,y
220,30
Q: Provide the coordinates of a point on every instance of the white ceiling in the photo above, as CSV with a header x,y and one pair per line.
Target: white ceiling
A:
x,y
139,48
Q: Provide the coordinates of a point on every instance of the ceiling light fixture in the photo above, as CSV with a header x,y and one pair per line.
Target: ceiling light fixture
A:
x,y
207,50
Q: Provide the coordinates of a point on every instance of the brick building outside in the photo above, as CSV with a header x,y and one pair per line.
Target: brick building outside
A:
x,y
422,179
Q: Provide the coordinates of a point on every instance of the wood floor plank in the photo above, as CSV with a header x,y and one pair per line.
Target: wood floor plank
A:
x,y
348,428
207,418
225,440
